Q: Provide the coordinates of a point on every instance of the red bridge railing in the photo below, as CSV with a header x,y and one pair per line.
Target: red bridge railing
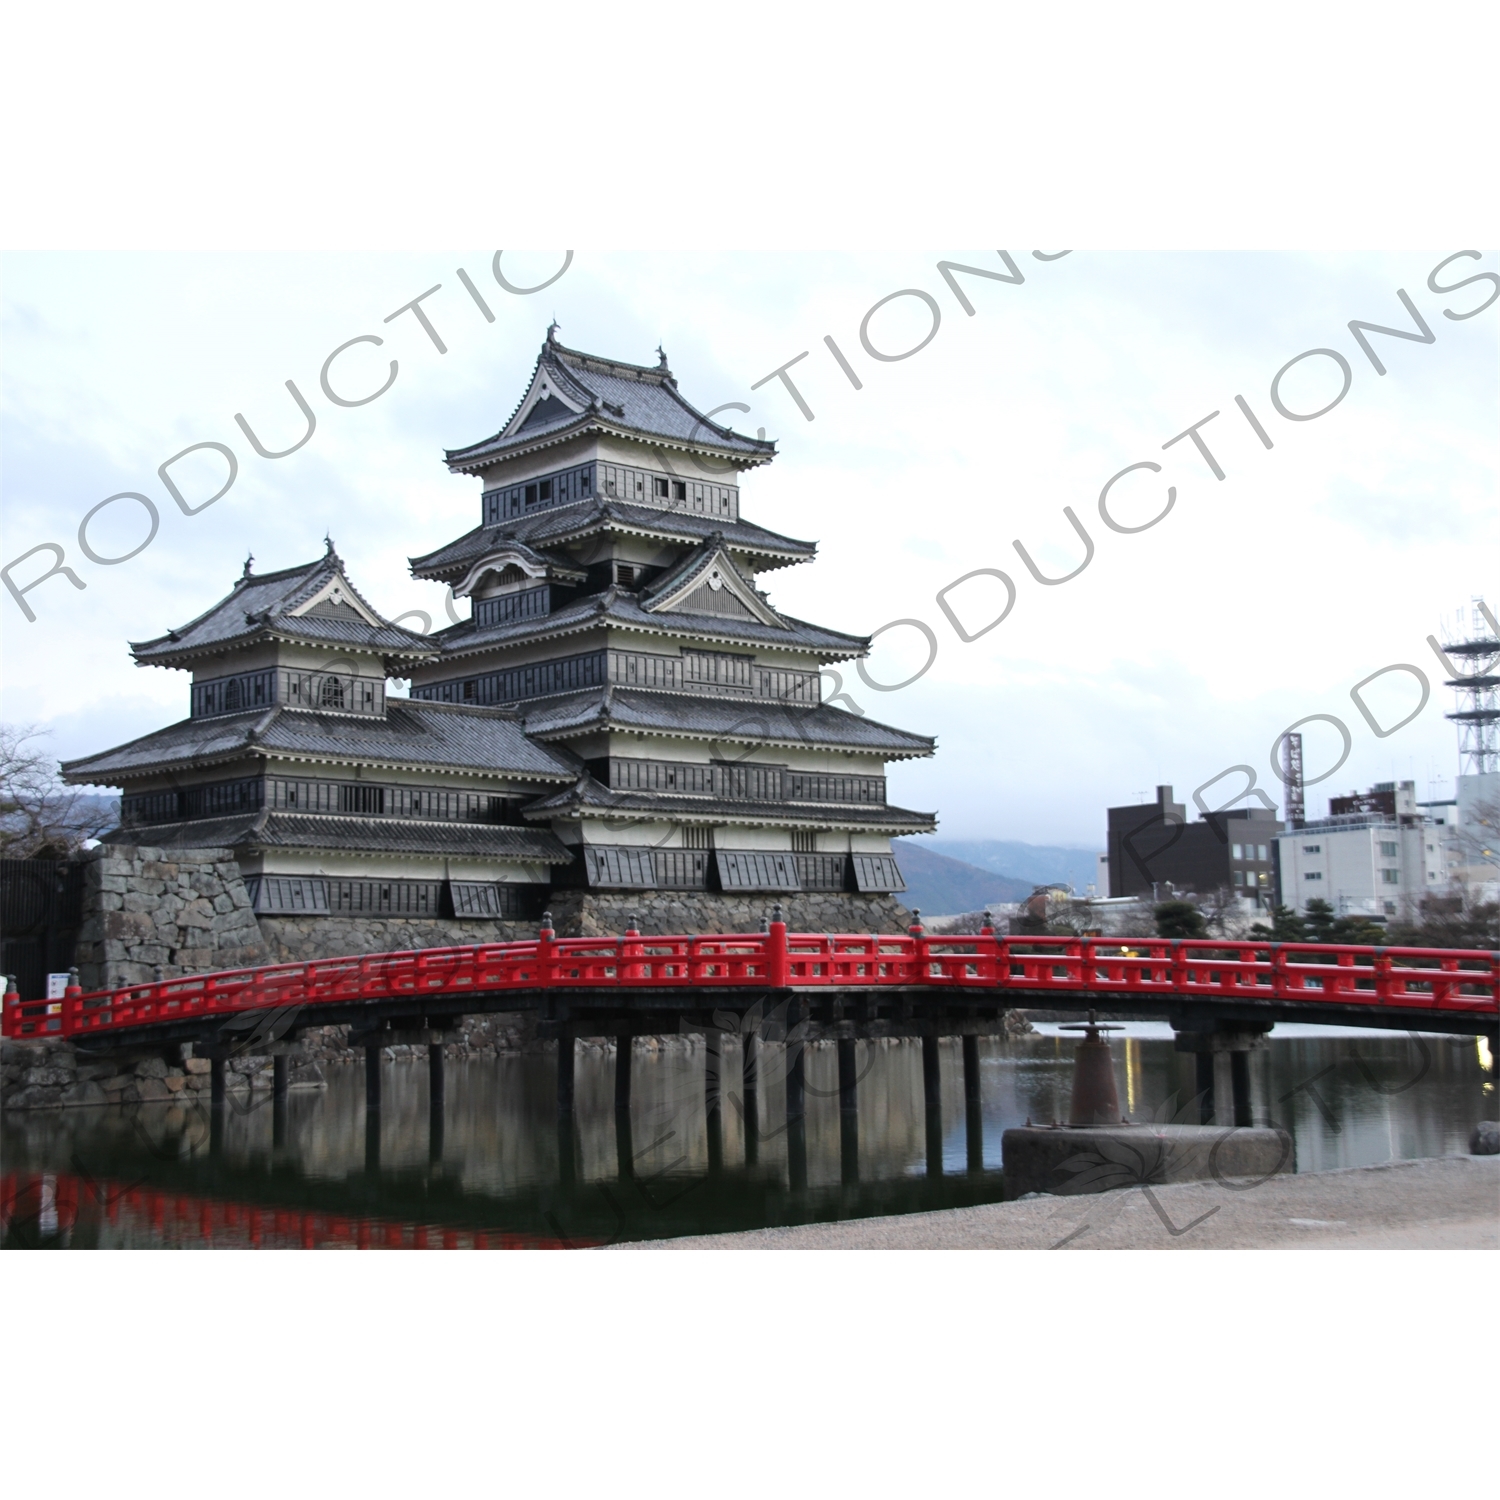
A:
x,y
1442,979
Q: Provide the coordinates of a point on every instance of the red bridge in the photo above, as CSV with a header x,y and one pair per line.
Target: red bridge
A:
x,y
1220,996
914,980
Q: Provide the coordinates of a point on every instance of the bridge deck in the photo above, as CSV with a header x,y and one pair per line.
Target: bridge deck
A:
x,y
1451,986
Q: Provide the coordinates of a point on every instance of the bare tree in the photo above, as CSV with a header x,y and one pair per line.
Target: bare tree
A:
x,y
39,815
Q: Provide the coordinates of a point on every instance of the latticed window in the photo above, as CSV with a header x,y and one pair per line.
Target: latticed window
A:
x,y
332,693
233,695
804,841
697,838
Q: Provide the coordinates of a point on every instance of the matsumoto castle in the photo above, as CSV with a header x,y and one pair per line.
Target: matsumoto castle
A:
x,y
623,715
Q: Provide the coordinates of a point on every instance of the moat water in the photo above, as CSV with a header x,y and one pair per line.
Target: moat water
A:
x,y
498,1172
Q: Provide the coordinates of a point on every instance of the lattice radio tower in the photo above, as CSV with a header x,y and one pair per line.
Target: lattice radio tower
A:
x,y
1291,779
1476,684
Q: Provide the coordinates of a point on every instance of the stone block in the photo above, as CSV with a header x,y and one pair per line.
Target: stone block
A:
x,y
117,1084
34,1098
1486,1139
1067,1159
92,1072
197,1065
222,903
47,1078
128,925
85,1091
175,1085
150,1090
151,1067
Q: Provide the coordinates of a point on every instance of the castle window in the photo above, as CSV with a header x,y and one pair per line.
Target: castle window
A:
x,y
804,841
659,488
679,490
583,481
625,574
697,838
546,489
332,694
469,690
233,694
531,494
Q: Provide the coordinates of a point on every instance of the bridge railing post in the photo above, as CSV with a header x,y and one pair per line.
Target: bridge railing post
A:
x,y
630,950
920,953
544,963
778,962
987,951
1179,966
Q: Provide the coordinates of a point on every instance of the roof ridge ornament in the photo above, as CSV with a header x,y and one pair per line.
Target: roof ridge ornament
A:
x,y
552,329
249,559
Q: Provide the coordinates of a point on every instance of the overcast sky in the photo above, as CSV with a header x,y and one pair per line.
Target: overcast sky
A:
x,y
1179,651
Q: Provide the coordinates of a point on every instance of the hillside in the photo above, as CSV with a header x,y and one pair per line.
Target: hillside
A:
x,y
1036,864
943,886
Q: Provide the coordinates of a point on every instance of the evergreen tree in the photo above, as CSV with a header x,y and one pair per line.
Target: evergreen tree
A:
x,y
1319,918
1179,919
1286,927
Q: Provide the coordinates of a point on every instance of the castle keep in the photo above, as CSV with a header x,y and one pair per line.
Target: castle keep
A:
x,y
624,723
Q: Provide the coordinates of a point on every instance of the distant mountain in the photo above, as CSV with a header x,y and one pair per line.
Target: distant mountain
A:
x,y
1036,864
944,887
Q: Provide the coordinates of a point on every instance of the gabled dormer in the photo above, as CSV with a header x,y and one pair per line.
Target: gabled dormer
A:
x,y
511,581
707,582
301,638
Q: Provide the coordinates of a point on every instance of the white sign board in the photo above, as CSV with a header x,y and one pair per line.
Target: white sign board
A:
x,y
57,986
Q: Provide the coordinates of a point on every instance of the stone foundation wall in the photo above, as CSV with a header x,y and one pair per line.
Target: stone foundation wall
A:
x,y
52,1075
299,939
152,912
591,914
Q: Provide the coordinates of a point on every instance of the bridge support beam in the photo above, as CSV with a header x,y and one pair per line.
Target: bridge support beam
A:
x,y
624,1050
848,1111
216,1081
372,1079
1203,1086
1207,1038
796,1098
437,1100
713,1096
750,1093
973,1117
1239,1081
932,1098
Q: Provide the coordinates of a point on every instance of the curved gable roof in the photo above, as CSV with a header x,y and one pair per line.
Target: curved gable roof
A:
x,y
571,392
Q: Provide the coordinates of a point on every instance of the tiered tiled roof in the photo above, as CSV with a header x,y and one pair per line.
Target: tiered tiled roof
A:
x,y
410,734
585,393
586,518
745,721
266,606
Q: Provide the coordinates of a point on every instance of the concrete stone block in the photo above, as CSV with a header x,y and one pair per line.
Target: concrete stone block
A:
x,y
1067,1159
34,1098
151,1067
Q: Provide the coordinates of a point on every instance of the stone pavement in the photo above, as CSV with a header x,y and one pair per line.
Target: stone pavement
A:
x,y
1442,1203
